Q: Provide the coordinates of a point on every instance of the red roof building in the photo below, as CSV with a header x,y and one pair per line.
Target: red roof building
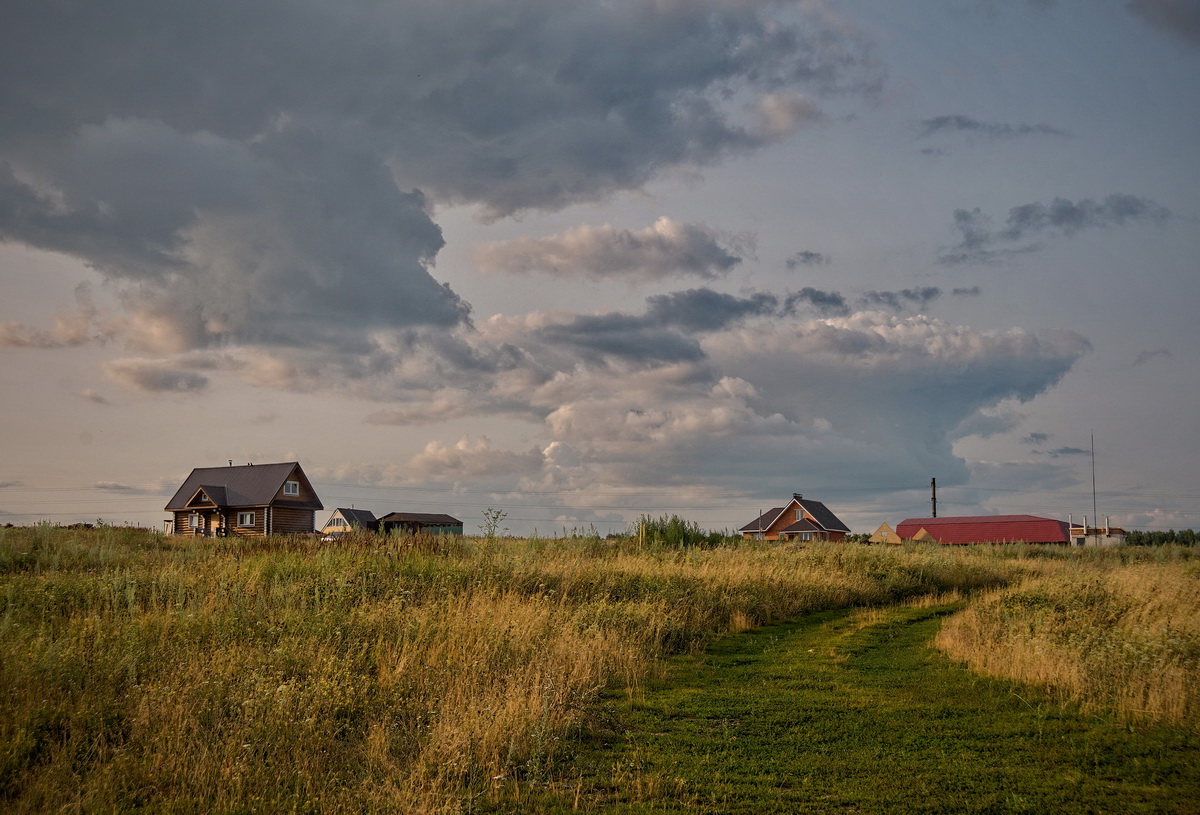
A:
x,y
987,529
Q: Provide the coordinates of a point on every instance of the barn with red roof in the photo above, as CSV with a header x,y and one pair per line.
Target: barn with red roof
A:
x,y
987,529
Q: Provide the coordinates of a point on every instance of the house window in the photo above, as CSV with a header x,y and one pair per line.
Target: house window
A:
x,y
805,536
195,521
245,519
291,488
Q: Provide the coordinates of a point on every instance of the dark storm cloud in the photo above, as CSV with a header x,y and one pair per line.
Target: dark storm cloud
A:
x,y
1029,222
1180,18
957,123
807,258
622,336
262,171
705,309
828,303
898,300
967,291
1036,438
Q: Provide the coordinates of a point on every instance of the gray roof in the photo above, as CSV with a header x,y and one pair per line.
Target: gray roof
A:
x,y
764,521
822,515
359,517
249,485
819,512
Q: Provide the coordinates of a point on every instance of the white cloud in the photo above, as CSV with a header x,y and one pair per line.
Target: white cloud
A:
x,y
668,248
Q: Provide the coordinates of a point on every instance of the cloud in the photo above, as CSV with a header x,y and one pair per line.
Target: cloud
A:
x,y
898,300
94,397
807,258
1146,356
269,179
154,376
846,394
968,291
667,248
706,310
1036,438
1028,222
1180,18
825,302
1067,451
86,324
958,123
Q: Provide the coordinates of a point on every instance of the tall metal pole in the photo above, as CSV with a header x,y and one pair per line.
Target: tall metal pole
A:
x,y
1095,517
933,494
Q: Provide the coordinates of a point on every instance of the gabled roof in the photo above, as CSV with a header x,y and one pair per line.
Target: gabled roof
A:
x,y
358,517
821,514
885,534
250,485
987,529
763,522
419,517
804,525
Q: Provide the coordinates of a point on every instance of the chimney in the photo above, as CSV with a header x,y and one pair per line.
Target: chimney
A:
x,y
797,496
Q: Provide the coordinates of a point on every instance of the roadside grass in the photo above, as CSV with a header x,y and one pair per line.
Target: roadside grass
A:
x,y
853,711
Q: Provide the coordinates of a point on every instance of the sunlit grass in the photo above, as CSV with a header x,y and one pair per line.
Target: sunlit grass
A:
x,y
1107,635
413,674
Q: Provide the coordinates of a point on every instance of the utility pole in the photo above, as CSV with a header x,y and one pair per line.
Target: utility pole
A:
x,y
933,494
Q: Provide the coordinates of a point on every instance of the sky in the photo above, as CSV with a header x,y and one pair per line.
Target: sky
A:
x,y
586,261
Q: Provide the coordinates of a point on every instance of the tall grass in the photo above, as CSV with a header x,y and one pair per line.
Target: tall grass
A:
x,y
1115,631
410,674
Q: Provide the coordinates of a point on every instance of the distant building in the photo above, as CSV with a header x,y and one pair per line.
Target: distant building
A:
x,y
343,520
427,522
1084,535
885,534
248,500
803,519
985,529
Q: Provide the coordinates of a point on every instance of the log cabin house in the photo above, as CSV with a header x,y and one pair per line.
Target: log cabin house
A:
x,y
248,500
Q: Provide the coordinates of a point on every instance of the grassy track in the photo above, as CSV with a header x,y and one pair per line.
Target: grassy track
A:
x,y
849,711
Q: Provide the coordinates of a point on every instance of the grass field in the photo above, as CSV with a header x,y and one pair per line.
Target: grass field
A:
x,y
149,673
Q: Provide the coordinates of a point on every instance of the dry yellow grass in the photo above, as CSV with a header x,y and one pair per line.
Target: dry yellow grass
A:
x,y
389,675
1097,632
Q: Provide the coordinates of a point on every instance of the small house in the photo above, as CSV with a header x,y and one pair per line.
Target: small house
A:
x,y
885,534
247,500
343,520
802,519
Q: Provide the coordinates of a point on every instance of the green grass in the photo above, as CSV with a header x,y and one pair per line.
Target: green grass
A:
x,y
854,712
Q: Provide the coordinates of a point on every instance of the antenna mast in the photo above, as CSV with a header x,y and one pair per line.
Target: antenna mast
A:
x,y
933,494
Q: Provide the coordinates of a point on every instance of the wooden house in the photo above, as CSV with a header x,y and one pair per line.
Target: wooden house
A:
x,y
803,519
249,500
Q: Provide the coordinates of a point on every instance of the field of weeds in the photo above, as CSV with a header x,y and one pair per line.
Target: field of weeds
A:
x,y
145,672
1111,631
